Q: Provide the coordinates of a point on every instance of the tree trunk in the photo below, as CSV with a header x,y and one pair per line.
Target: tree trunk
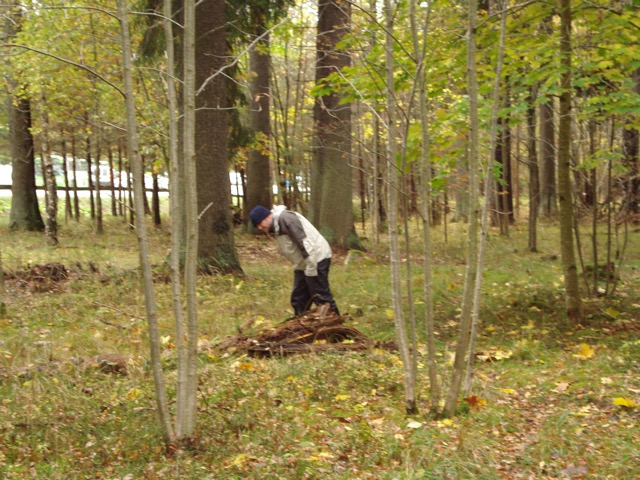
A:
x,y
394,247
462,347
331,174
99,219
112,182
258,175
425,203
141,230
51,199
25,212
3,292
90,174
74,168
548,191
631,147
216,247
68,212
187,395
534,178
571,285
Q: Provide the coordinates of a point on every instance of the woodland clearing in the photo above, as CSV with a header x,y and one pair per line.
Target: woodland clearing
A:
x,y
549,400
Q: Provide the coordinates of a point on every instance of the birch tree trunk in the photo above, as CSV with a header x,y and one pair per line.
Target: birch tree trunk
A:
x,y
425,199
394,248
474,205
51,200
186,425
488,188
141,230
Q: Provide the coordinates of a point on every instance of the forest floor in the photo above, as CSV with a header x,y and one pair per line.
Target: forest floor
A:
x,y
549,400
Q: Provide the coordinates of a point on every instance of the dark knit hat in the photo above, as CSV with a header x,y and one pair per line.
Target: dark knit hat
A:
x,y
258,214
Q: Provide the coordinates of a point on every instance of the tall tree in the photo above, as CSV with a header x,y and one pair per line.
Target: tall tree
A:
x,y
419,52
464,336
394,247
567,250
331,171
141,229
216,244
258,171
25,212
187,408
256,17
548,188
534,177
631,148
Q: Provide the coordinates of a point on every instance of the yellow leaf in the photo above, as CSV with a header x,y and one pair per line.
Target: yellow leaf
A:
x,y
447,422
508,391
247,367
585,352
342,397
133,394
612,312
624,402
390,313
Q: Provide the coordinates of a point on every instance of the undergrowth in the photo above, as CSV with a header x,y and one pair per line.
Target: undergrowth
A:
x,y
549,400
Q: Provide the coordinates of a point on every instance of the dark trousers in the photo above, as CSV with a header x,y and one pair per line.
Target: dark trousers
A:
x,y
308,290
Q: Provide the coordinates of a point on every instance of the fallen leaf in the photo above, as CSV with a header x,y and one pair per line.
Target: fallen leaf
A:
x,y
475,401
561,387
585,352
624,402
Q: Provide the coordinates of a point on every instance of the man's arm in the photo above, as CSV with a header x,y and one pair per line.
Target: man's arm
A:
x,y
290,225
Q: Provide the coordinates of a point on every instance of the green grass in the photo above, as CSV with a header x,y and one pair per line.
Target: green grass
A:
x,y
546,412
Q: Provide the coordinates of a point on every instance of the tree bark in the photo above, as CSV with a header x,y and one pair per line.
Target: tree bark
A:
x,y
141,230
548,188
258,173
571,285
331,174
51,199
25,212
534,177
462,347
631,147
425,203
216,246
394,247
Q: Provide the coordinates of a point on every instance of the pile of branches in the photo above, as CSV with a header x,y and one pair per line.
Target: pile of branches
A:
x,y
40,278
318,330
